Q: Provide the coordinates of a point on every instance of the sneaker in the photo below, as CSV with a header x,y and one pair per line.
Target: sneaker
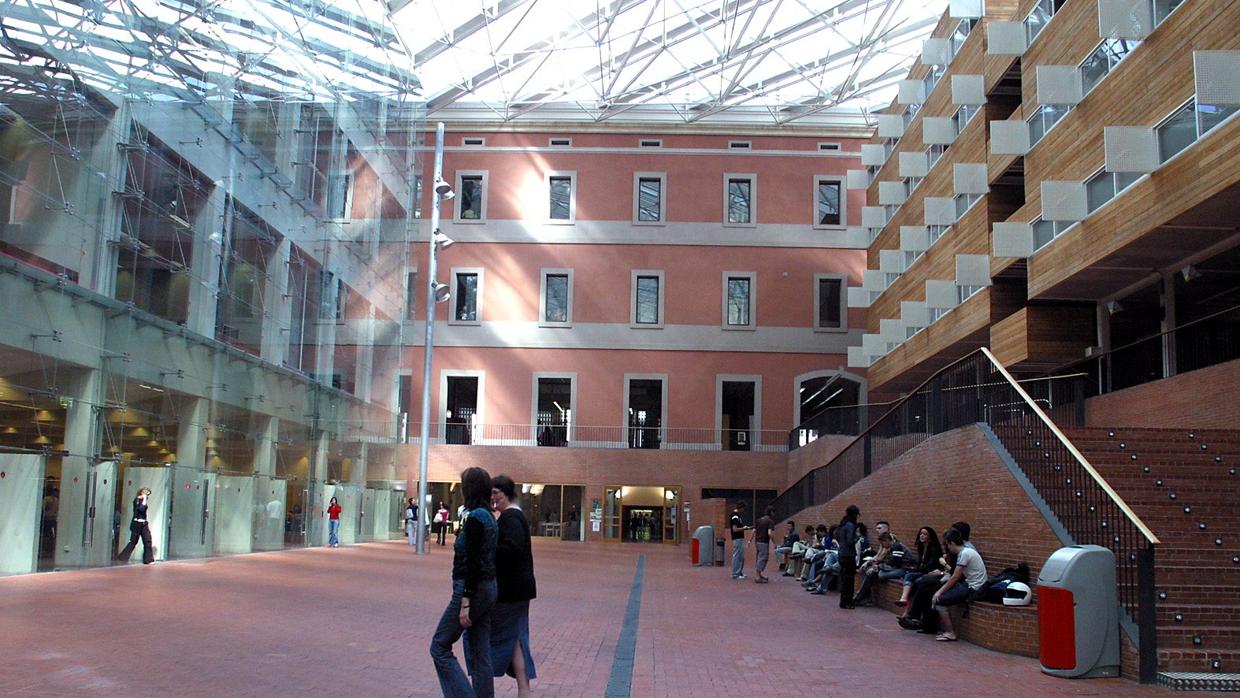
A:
x,y
739,576
787,574
817,592
908,623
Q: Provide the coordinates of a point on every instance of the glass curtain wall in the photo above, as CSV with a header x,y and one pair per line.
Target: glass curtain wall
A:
x,y
207,215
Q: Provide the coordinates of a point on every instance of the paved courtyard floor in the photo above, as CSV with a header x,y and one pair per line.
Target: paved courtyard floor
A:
x,y
357,621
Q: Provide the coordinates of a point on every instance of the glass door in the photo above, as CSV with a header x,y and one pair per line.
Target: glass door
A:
x,y
671,515
611,513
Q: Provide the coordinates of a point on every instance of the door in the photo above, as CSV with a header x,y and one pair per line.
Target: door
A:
x,y
21,507
671,515
272,496
159,506
102,524
611,513
193,497
234,514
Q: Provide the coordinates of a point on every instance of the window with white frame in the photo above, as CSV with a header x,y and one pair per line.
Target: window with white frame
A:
x,y
740,145
936,151
936,231
932,78
828,146
964,202
559,142
1164,8
466,296
830,303
740,200
562,195
555,307
910,185
964,115
1039,17
650,143
411,295
964,293
339,203
1186,125
648,198
738,299
960,34
1103,186
473,142
1045,231
828,202
1103,60
646,308
471,197
1043,120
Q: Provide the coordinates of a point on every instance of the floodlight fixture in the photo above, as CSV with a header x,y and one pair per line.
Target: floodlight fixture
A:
x,y
443,241
442,188
442,292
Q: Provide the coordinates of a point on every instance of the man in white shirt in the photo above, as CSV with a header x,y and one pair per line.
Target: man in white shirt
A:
x,y
968,577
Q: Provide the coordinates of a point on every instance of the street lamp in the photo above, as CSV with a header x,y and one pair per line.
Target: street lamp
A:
x,y
436,292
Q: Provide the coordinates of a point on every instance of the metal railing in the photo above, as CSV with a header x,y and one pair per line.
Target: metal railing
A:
x,y
1206,341
611,437
844,420
977,389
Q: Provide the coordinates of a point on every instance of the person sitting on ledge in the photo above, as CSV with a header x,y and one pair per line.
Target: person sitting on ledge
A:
x,y
929,552
785,549
817,552
888,563
965,581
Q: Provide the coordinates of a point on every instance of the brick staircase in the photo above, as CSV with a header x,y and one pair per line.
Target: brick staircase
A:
x,y
1185,485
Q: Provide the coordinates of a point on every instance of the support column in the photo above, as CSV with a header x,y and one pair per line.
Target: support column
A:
x,y
192,487
320,492
270,493
277,306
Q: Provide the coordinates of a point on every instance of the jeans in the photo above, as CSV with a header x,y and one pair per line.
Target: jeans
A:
x,y
442,530
764,553
411,531
452,680
781,554
333,532
848,575
738,557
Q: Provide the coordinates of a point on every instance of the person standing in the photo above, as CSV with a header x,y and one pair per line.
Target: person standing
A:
x,y
333,523
737,528
139,527
411,521
441,522
514,577
762,543
846,534
473,596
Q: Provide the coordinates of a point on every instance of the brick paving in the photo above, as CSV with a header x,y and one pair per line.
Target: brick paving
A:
x,y
357,621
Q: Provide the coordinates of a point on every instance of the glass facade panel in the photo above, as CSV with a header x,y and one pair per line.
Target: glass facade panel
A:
x,y
1177,133
1099,189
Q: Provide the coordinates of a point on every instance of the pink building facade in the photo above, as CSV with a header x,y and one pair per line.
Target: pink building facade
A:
x,y
637,291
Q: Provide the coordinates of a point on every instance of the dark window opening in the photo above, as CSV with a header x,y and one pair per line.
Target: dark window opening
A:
x,y
555,408
737,405
460,421
645,412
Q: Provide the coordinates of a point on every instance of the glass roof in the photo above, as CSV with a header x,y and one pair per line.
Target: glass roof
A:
x,y
761,62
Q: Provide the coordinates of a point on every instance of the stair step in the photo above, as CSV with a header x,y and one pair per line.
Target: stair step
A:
x,y
1199,681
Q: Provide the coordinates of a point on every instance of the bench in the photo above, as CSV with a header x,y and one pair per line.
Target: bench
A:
x,y
1010,629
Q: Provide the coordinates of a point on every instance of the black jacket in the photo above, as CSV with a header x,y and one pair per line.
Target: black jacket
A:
x,y
514,558
139,513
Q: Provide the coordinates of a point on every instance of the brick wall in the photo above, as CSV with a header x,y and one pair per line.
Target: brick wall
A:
x,y
1201,399
808,457
955,476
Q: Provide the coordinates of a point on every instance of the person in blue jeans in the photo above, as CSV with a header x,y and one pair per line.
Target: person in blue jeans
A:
x,y
737,527
473,596
333,524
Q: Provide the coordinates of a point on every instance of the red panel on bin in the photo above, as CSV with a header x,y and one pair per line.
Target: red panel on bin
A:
x,y
1057,628
696,544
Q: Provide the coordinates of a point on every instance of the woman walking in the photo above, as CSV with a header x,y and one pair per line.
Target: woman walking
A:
x,y
473,596
333,523
514,565
441,522
139,528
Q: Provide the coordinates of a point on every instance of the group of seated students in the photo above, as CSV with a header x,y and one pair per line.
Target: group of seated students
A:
x,y
934,578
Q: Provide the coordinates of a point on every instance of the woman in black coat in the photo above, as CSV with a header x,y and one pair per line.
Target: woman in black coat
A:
x,y
514,573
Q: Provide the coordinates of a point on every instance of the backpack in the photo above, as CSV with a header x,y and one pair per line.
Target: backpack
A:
x,y
992,590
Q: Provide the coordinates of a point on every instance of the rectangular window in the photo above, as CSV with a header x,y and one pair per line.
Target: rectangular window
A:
x,y
1164,8
828,194
1039,17
475,142
1045,231
560,142
828,146
936,231
740,145
829,309
1043,120
964,293
342,300
1103,60
934,152
645,403
739,198
339,195
963,116
650,143
648,202
471,197
466,295
553,408
417,196
557,297
647,306
964,202
960,34
738,299
561,193
1177,132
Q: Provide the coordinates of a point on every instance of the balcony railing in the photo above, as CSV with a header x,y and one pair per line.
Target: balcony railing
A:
x,y
579,436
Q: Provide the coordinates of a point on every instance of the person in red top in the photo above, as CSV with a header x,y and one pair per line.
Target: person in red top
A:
x,y
333,523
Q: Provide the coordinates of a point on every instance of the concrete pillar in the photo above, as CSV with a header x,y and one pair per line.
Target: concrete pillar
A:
x,y
270,493
193,489
277,306
320,493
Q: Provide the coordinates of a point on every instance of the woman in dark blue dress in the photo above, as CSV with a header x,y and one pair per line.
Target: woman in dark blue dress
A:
x,y
514,574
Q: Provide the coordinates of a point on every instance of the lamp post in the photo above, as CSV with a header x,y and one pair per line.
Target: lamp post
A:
x,y
435,293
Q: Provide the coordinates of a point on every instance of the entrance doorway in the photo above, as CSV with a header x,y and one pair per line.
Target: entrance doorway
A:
x,y
737,410
462,406
638,514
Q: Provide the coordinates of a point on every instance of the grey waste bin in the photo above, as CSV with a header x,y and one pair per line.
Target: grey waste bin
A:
x,y
703,552
720,552
1078,613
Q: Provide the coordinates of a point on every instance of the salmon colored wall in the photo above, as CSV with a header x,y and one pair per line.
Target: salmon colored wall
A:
x,y
602,279
600,382
516,186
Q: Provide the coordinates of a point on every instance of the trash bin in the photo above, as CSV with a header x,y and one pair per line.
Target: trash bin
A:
x,y
703,553
720,552
1078,613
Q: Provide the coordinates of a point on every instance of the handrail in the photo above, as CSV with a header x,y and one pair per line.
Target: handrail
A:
x,y
1085,465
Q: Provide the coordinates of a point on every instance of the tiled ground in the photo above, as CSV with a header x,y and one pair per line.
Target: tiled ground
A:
x,y
357,621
